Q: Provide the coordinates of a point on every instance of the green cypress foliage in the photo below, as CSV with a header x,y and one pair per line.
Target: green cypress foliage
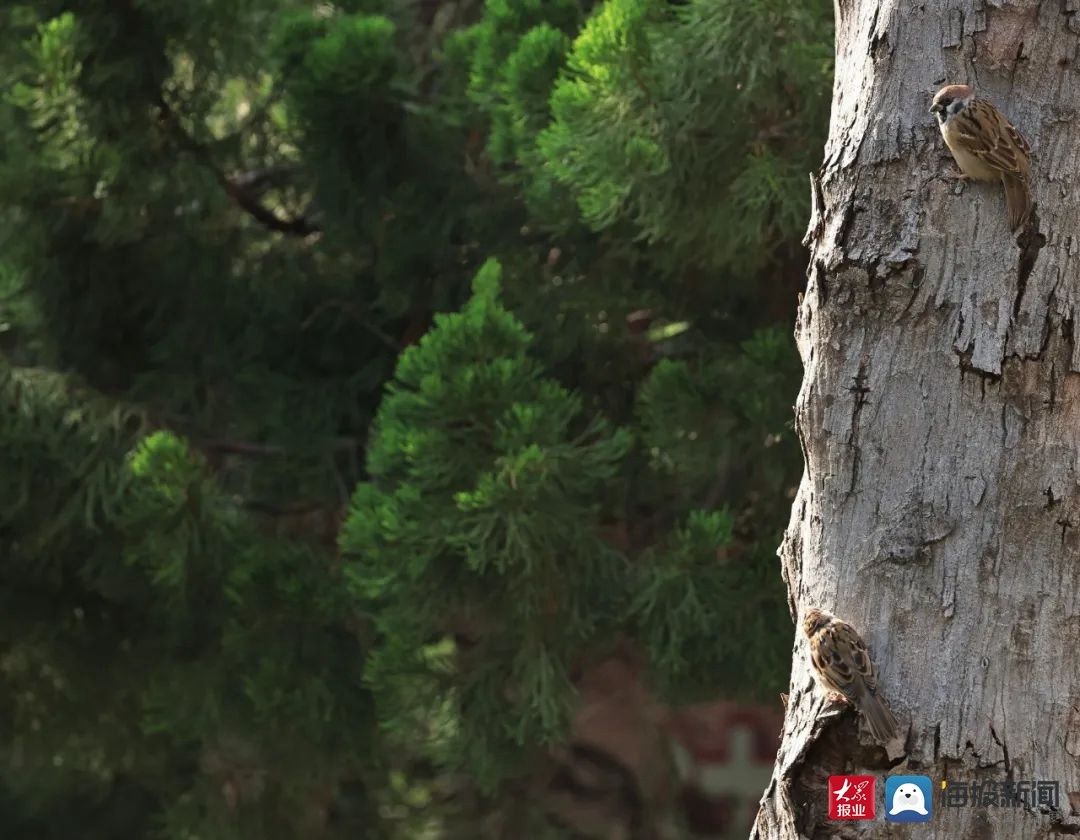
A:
x,y
481,521
368,368
697,126
153,621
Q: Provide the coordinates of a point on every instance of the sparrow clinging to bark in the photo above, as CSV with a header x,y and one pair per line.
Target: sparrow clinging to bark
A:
x,y
842,666
986,146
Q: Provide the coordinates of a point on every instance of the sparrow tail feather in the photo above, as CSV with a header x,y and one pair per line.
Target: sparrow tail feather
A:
x,y
1017,200
880,718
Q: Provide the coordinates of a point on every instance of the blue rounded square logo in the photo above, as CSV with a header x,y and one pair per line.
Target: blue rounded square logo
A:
x,y
909,799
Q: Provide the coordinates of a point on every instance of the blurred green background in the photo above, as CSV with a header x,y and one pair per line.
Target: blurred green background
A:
x,y
370,370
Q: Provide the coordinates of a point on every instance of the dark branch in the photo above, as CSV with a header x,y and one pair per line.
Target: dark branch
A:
x,y
240,190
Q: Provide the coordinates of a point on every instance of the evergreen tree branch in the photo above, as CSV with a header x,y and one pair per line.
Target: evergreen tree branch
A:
x,y
354,311
260,450
240,190
635,74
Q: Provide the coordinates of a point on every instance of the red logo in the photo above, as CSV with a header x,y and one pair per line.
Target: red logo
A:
x,y
851,797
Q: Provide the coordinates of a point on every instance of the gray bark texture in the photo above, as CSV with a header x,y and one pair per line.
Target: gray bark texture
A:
x,y
939,511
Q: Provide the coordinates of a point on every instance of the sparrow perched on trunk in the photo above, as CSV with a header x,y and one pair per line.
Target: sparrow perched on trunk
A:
x,y
842,666
986,146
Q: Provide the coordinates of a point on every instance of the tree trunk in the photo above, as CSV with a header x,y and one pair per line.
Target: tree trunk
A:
x,y
939,415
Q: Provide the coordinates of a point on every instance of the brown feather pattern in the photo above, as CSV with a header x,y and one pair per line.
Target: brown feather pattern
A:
x,y
842,664
986,146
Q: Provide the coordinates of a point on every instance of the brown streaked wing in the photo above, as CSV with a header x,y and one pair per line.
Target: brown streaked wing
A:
x,y
859,655
839,657
992,138
1020,142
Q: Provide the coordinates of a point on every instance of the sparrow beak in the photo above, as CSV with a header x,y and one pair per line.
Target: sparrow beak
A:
x,y
936,109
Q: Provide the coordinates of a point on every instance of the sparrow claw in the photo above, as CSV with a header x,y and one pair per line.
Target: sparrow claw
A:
x,y
957,182
836,698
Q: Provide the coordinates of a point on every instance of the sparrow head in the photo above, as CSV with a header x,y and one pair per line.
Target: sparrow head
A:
x,y
814,620
951,100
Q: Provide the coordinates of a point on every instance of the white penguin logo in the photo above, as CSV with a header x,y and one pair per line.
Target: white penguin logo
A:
x,y
908,797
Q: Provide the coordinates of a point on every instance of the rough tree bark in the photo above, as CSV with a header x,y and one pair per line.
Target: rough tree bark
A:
x,y
939,415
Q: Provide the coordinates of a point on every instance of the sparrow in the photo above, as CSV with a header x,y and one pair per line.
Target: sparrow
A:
x,y
986,146
843,668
